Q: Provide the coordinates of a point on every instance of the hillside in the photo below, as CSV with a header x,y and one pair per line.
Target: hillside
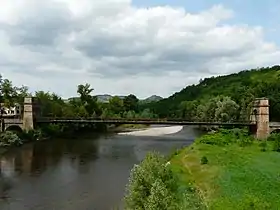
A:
x,y
153,98
242,86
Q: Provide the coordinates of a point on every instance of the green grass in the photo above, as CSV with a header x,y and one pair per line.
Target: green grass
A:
x,y
235,177
187,193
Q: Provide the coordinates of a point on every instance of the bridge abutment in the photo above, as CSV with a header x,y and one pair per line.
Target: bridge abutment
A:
x,y
260,115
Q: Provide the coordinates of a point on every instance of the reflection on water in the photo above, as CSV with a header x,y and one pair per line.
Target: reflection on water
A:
x,y
88,173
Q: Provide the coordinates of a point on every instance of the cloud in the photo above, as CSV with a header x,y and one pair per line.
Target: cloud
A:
x,y
119,48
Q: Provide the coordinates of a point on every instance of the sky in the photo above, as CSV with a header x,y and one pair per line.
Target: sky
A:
x,y
143,47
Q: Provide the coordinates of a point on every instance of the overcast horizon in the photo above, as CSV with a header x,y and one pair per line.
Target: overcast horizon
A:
x,y
137,47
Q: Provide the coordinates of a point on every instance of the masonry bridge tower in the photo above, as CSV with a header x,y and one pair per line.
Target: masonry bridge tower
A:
x,y
260,116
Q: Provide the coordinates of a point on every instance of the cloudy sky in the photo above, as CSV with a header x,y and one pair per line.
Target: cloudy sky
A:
x,y
143,47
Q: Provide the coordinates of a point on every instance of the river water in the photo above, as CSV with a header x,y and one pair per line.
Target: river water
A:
x,y
78,174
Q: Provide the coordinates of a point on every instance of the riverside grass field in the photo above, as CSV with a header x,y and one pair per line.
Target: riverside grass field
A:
x,y
240,173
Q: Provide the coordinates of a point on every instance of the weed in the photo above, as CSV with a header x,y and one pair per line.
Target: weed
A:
x,y
204,160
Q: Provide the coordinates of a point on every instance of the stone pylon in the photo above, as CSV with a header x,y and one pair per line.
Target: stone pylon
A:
x,y
28,114
260,116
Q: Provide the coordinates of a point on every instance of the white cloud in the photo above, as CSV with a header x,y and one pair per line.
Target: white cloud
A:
x,y
120,49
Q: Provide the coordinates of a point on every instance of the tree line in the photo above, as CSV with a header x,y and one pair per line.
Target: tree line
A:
x,y
84,105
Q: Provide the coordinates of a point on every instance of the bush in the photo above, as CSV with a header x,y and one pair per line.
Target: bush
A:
x,y
276,145
273,137
245,141
31,135
226,137
9,138
263,146
152,185
52,129
215,139
204,160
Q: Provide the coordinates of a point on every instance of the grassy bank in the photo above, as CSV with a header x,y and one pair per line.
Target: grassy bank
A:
x,y
220,171
230,171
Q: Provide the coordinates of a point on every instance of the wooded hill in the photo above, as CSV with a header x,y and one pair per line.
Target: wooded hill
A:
x,y
241,87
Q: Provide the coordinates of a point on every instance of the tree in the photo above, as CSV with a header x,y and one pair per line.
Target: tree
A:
x,y
22,92
146,113
8,92
227,110
85,92
45,99
160,198
220,109
188,109
88,101
116,105
146,179
129,115
131,103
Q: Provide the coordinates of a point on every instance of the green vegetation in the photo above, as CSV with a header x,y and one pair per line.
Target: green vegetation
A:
x,y
9,139
154,186
86,105
237,90
230,171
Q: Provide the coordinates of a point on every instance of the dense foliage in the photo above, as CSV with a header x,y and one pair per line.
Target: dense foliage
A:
x,y
154,186
9,139
225,137
240,89
85,105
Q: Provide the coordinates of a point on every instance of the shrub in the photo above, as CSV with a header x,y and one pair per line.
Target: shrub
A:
x,y
204,160
215,139
276,145
52,129
273,137
227,136
245,141
152,185
263,146
31,135
9,138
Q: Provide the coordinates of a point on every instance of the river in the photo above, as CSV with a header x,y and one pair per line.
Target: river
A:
x,y
87,173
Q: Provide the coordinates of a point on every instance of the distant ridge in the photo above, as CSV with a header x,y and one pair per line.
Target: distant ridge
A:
x,y
153,98
106,97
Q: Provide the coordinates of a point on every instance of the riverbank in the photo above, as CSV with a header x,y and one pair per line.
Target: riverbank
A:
x,y
222,170
230,171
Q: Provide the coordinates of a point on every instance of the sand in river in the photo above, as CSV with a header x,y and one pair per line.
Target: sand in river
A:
x,y
158,131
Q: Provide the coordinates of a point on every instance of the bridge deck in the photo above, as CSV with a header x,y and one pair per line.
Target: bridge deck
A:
x,y
138,121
